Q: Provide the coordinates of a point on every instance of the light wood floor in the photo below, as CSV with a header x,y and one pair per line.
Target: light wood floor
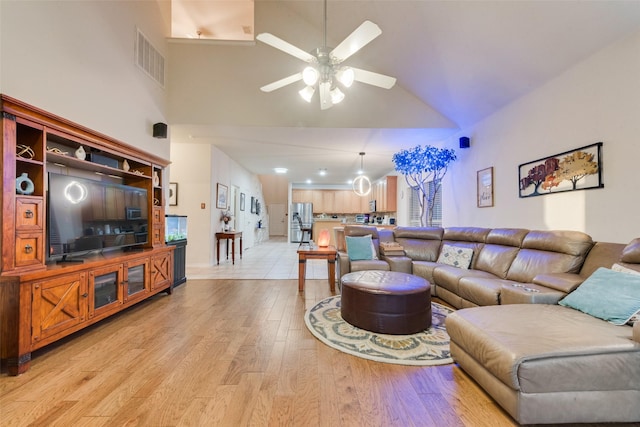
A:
x,y
231,352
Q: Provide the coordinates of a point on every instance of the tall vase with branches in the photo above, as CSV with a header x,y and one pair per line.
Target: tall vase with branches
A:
x,y
420,166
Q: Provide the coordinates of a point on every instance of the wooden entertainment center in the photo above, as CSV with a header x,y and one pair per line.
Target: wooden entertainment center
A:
x,y
42,301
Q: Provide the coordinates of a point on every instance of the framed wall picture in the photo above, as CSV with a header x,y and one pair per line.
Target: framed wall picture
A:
x,y
253,204
173,194
578,169
485,187
241,201
222,196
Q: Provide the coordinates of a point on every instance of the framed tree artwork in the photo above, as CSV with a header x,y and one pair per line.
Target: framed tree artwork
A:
x,y
241,201
485,187
578,169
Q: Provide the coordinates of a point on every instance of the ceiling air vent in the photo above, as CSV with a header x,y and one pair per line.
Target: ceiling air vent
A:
x,y
149,59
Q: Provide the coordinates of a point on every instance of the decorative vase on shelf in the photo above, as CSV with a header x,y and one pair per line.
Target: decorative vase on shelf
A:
x,y
156,179
24,185
80,153
125,165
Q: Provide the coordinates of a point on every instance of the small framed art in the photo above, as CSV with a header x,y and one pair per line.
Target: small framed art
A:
x,y
485,187
173,194
221,196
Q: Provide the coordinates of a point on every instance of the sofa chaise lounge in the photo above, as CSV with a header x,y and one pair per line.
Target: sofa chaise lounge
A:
x,y
543,362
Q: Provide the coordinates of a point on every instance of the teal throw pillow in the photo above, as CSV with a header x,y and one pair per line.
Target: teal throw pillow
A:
x,y
359,247
608,295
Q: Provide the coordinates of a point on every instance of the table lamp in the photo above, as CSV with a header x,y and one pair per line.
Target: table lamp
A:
x,y
323,238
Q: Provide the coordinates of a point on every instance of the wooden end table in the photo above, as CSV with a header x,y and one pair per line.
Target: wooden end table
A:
x,y
226,235
306,252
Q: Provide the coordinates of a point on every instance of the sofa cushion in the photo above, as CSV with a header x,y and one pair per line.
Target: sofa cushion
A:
x,y
609,295
540,348
370,264
456,256
496,259
631,253
419,243
360,248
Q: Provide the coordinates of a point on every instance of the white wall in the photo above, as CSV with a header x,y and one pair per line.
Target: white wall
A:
x,y
76,59
597,100
198,168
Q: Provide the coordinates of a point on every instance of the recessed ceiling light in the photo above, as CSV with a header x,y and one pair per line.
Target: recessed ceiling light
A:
x,y
280,170
323,171
308,181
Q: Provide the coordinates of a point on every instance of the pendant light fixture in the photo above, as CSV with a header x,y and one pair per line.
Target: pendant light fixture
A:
x,y
362,184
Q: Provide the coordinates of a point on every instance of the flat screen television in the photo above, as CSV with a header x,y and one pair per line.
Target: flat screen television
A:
x,y
84,215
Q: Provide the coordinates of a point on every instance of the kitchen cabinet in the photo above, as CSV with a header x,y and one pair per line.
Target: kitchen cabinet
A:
x,y
332,201
385,193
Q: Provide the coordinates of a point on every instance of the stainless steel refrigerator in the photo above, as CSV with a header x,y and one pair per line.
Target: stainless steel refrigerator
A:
x,y
304,211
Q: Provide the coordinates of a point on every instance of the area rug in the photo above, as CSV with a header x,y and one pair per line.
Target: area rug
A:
x,y
430,347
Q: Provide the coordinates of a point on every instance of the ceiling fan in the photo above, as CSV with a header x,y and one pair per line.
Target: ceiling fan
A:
x,y
325,67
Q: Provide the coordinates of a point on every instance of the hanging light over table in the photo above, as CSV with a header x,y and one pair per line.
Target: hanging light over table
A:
x,y
362,184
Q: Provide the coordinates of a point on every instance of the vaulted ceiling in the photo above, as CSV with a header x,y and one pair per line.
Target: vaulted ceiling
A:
x,y
456,63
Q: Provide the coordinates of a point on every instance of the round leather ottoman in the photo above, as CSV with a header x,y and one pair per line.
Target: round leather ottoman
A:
x,y
386,302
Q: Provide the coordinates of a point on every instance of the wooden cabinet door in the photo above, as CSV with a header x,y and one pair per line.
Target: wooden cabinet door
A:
x,y
29,213
29,249
161,270
59,303
157,226
328,201
318,201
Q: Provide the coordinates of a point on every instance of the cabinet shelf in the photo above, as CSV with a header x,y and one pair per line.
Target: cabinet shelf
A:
x,y
72,162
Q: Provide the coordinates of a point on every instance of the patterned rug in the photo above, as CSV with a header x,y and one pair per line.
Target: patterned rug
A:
x,y
430,347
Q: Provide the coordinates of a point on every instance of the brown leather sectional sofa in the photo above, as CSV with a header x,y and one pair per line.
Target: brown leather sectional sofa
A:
x,y
542,362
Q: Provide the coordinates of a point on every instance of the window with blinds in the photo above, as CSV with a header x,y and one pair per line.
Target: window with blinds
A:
x,y
414,207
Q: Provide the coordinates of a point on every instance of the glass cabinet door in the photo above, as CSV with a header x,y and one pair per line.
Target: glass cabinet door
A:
x,y
136,279
105,291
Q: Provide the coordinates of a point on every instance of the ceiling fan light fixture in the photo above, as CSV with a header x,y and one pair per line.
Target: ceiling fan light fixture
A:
x,y
307,93
346,76
336,95
310,76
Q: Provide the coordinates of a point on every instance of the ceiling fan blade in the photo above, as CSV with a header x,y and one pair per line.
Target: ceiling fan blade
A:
x,y
282,82
374,79
286,47
362,35
325,96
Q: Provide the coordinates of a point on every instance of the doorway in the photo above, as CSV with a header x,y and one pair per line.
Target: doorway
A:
x,y
277,219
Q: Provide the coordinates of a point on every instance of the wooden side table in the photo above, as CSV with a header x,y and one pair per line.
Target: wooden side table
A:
x,y
229,235
306,252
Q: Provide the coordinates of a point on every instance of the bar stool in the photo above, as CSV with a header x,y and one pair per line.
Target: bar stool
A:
x,y
304,230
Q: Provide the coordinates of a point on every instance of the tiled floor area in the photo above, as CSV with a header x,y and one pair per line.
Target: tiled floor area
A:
x,y
271,259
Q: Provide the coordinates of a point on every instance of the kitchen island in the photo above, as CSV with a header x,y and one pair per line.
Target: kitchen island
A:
x,y
331,223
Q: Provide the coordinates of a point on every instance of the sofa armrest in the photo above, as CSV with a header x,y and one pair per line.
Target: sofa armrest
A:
x,y
636,331
343,264
401,264
563,282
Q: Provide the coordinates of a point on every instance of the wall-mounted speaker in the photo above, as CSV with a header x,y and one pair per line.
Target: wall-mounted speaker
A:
x,y
464,142
160,130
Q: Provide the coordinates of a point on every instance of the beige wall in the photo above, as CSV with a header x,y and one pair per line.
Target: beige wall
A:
x,y
76,60
597,100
